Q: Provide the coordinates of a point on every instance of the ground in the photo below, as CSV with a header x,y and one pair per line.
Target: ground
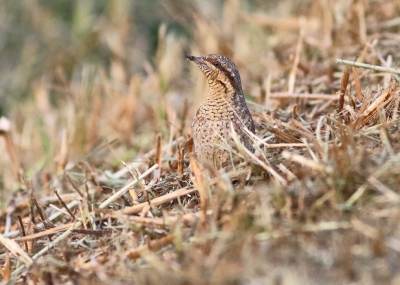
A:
x,y
96,103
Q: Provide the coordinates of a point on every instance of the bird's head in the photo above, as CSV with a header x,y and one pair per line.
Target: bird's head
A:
x,y
221,73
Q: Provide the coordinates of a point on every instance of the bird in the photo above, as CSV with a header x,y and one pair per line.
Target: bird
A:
x,y
224,107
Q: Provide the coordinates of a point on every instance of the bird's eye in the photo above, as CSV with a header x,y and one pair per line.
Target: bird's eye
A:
x,y
217,63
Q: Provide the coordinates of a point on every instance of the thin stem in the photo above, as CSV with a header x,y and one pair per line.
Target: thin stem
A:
x,y
368,66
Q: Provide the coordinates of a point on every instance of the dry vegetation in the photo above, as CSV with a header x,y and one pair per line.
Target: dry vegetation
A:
x,y
95,186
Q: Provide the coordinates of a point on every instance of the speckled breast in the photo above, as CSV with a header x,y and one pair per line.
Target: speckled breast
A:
x,y
212,133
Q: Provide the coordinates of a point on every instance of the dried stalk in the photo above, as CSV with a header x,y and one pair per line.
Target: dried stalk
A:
x,y
278,95
343,87
368,66
357,82
14,247
159,151
76,188
79,223
125,189
181,161
64,205
151,245
159,200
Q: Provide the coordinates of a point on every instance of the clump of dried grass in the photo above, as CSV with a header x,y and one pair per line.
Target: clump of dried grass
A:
x,y
318,200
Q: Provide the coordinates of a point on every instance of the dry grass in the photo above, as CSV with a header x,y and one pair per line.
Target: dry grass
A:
x,y
95,177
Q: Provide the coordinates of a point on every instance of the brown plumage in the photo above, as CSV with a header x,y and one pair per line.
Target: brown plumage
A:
x,y
224,105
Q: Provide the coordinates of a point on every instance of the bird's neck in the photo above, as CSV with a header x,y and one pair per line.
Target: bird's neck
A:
x,y
223,93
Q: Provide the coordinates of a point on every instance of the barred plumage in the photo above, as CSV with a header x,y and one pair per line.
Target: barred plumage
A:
x,y
224,105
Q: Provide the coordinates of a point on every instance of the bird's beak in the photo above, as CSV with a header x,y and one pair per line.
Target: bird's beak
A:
x,y
195,59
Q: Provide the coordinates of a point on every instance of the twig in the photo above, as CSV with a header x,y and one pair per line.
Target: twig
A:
x,y
180,161
159,151
282,135
79,223
166,220
189,141
279,95
159,200
64,205
384,99
39,209
46,249
306,162
54,216
292,75
357,82
204,197
14,247
124,189
45,233
343,87
368,66
266,167
22,230
73,185
6,273
151,245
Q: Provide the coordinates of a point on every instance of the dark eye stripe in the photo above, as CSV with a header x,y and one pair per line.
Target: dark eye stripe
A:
x,y
233,77
228,74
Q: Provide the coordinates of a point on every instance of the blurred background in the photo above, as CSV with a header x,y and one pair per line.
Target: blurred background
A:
x,y
98,80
